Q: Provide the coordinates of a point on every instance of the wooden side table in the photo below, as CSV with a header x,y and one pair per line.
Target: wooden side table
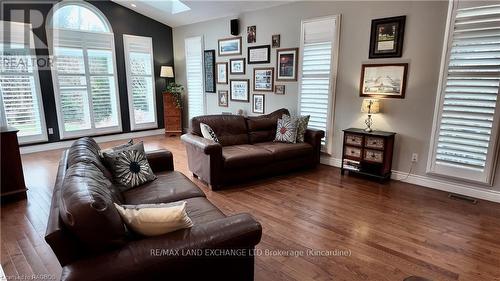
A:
x,y
172,116
368,153
13,186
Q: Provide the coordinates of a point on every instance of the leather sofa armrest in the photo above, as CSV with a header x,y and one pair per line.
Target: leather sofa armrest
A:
x,y
313,136
160,160
144,258
207,146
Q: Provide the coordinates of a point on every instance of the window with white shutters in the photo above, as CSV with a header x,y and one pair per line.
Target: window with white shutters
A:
x,y
140,81
84,72
194,74
466,125
20,95
319,44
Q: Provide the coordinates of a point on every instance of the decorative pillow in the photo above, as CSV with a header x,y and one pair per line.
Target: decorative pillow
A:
x,y
129,166
116,148
155,219
286,130
302,123
208,133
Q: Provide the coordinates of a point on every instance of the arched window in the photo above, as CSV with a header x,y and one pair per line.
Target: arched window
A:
x,y
84,70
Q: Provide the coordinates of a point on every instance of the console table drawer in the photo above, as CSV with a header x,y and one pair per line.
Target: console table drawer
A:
x,y
374,142
374,156
354,139
352,151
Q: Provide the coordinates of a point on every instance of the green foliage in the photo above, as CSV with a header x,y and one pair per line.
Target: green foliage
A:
x,y
176,91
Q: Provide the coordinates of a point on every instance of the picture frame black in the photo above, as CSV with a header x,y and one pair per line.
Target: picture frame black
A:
x,y
387,37
223,98
259,52
209,73
232,94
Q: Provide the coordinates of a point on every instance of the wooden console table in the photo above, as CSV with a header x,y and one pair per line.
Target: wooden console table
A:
x,y
12,182
368,153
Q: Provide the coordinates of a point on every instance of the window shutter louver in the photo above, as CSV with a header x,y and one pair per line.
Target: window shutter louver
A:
x,y
194,73
466,137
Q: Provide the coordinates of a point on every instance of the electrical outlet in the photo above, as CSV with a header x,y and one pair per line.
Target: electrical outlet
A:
x,y
51,131
414,157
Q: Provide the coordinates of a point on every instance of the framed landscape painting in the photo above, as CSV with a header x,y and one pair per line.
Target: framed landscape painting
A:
x,y
229,46
383,80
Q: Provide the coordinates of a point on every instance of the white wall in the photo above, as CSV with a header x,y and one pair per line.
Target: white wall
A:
x,y
410,118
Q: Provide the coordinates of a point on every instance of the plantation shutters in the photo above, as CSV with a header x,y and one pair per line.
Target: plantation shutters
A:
x,y
464,145
20,95
194,75
318,73
140,81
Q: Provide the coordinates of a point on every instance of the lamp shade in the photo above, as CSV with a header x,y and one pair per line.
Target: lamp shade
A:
x,y
167,71
370,106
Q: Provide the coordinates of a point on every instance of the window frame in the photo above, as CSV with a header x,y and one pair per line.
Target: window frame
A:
x,y
334,64
204,99
43,137
487,176
50,40
143,126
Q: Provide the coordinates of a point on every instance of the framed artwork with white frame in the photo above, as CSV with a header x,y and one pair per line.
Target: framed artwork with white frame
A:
x,y
229,46
263,79
237,66
221,68
239,90
287,64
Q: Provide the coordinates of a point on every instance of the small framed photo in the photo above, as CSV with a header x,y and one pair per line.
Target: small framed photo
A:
x,y
276,40
287,64
237,66
383,80
251,34
259,54
279,89
239,90
221,68
229,46
223,98
263,79
258,103
386,39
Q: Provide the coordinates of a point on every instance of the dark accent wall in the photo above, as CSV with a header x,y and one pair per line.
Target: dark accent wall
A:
x,y
123,21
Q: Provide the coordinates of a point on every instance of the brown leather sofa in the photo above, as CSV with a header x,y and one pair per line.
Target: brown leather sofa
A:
x,y
246,149
91,242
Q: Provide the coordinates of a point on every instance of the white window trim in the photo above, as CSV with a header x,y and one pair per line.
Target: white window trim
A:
x,y
43,136
202,73
50,35
328,148
133,125
490,167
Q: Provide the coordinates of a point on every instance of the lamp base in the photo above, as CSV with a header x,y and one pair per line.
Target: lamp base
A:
x,y
369,123
369,130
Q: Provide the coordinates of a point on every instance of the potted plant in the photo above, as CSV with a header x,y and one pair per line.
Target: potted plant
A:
x,y
175,90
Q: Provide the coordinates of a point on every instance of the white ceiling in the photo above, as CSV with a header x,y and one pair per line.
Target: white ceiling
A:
x,y
201,10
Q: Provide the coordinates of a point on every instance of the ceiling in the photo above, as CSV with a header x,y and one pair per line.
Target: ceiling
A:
x,y
200,10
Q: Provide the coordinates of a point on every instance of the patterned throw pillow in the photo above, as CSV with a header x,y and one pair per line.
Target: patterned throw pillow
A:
x,y
286,130
302,123
208,133
129,166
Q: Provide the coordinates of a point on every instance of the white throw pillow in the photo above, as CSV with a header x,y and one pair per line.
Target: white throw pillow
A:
x,y
155,219
208,133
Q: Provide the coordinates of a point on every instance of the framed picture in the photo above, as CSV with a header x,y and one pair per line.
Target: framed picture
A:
x,y
279,89
221,68
383,80
263,79
209,67
251,34
287,64
259,54
258,103
223,98
275,40
230,46
237,66
386,39
239,90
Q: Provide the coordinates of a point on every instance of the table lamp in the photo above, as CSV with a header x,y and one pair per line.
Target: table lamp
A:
x,y
370,106
167,72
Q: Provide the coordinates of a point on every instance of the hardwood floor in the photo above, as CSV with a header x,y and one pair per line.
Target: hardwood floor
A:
x,y
391,231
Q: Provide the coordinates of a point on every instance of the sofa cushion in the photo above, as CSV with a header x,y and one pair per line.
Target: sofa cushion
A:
x,y
200,210
230,129
284,151
263,128
87,210
245,156
88,151
168,187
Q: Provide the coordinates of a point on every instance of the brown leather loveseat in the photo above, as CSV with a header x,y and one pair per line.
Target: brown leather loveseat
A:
x,y
91,242
246,149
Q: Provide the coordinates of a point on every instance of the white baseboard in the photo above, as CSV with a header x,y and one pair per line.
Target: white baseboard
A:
x,y
431,182
65,144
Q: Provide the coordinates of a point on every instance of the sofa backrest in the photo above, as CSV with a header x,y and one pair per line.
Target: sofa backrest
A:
x,y
230,129
263,128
